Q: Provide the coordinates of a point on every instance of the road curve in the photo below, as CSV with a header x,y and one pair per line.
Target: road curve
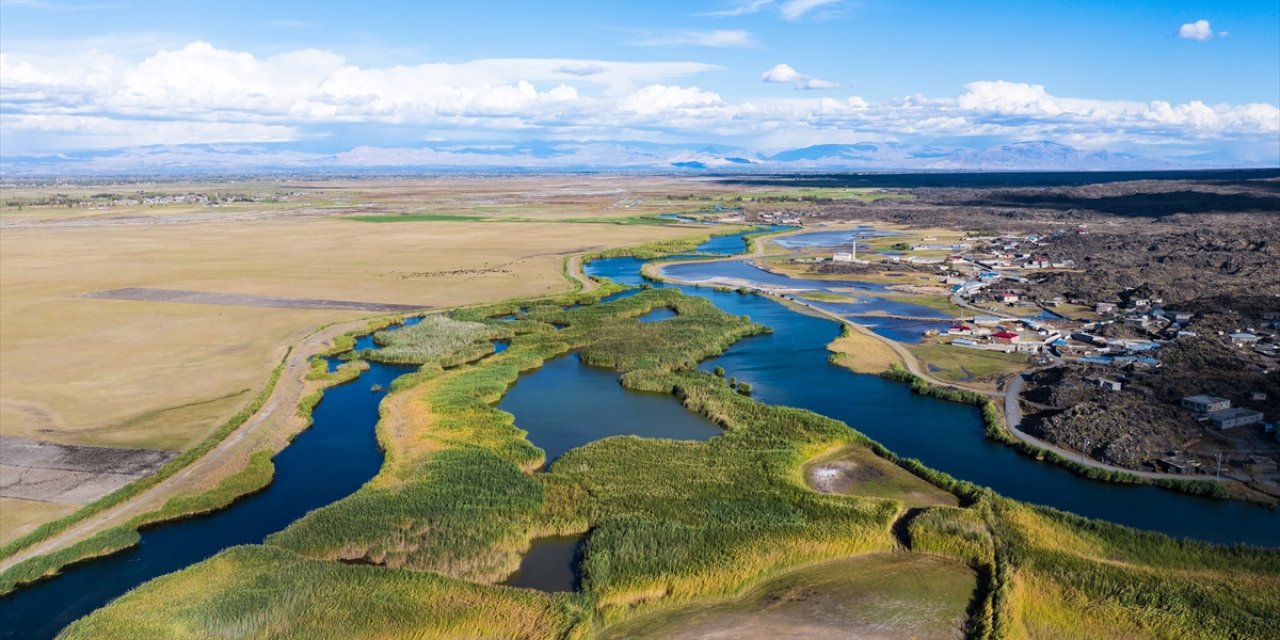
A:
x,y
574,269
1013,388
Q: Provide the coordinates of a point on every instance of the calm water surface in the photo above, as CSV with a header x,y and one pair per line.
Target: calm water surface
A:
x,y
550,565
910,326
566,404
789,367
326,463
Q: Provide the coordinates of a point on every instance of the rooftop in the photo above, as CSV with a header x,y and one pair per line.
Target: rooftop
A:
x,y
1233,412
1204,399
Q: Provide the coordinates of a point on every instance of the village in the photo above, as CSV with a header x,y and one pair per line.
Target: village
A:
x,y
1113,346
142,198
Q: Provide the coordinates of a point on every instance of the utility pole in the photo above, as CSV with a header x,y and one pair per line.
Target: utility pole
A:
x,y
1219,469
1083,446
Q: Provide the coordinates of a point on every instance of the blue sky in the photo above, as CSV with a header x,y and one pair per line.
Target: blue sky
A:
x,y
1145,77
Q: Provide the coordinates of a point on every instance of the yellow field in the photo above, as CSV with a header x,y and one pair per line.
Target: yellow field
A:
x,y
161,375
20,516
863,353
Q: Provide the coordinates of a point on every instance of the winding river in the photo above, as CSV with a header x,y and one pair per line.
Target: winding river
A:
x,y
324,464
790,367
339,452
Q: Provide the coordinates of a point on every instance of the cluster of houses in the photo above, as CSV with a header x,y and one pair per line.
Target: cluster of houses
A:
x,y
771,217
107,201
1009,335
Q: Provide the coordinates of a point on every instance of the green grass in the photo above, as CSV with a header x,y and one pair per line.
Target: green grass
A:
x,y
669,521
823,296
937,303
961,364
435,338
224,596
671,525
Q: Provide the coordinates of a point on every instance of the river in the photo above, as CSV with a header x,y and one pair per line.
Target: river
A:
x,y
324,464
790,367
339,453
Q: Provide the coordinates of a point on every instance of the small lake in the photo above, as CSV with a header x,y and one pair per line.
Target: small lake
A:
x,y
658,315
552,564
832,238
909,327
566,404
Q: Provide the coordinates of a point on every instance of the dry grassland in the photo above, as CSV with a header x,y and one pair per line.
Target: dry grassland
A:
x,y
863,353
18,516
161,375
165,375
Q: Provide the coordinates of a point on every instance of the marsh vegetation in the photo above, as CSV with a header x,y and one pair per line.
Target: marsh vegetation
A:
x,y
689,531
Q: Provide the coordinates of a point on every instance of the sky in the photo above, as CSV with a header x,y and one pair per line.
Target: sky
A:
x,y
1158,78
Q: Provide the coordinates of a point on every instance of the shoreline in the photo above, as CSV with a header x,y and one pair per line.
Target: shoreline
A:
x,y
1039,449
265,429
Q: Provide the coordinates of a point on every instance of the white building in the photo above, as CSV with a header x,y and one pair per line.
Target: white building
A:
x,y
1237,417
1205,403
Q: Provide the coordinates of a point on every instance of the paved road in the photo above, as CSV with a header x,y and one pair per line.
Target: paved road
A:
x,y
276,417
1012,394
1013,421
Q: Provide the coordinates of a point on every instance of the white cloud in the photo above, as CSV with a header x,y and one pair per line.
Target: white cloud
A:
x,y
797,9
657,98
792,10
780,73
719,38
97,132
1012,98
785,73
742,8
1198,30
60,7
814,83
581,70
201,93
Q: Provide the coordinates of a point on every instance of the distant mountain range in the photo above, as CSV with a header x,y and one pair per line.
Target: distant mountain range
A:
x,y
581,156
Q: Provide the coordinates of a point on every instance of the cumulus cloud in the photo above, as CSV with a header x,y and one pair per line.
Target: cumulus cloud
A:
x,y
785,73
780,73
202,93
718,38
1198,30
658,98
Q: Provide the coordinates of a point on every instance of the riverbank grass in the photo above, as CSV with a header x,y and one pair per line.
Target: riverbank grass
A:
x,y
672,525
